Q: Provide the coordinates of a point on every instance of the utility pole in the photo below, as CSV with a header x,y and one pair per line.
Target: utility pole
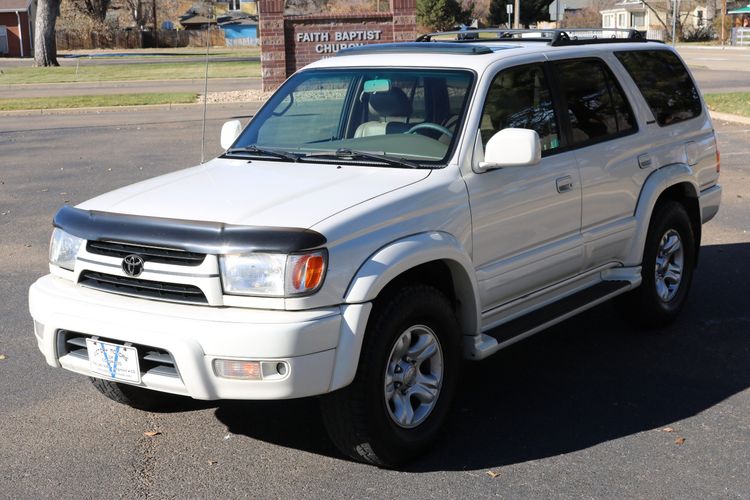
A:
x,y
156,26
723,16
674,22
516,10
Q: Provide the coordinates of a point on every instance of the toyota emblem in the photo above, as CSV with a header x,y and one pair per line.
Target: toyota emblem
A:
x,y
132,265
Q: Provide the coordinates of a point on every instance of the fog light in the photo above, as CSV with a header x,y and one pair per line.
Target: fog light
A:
x,y
237,369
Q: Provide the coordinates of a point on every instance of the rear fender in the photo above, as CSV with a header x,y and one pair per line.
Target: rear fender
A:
x,y
656,184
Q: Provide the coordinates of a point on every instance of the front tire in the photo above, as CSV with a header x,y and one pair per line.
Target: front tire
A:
x,y
405,382
137,397
667,269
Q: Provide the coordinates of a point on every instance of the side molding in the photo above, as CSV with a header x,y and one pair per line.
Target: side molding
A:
x,y
658,182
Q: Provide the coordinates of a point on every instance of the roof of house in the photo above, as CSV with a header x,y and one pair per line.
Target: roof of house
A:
x,y
14,5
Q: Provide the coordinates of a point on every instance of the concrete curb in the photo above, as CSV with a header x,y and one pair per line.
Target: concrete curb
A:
x,y
727,117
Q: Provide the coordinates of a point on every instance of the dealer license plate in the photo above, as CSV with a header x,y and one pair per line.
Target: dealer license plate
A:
x,y
114,361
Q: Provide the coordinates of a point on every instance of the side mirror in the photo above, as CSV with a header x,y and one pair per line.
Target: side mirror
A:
x,y
230,131
512,147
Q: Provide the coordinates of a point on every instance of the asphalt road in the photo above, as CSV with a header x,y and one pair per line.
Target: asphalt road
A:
x,y
577,411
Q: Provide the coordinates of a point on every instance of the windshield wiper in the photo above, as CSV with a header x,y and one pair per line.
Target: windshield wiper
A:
x,y
352,154
254,150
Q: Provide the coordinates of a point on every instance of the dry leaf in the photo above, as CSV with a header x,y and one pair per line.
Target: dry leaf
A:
x,y
212,462
679,440
492,474
667,429
2,357
151,433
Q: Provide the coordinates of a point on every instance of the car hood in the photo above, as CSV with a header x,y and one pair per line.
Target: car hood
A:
x,y
256,193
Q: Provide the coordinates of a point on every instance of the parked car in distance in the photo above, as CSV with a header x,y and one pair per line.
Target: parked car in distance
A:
x,y
386,215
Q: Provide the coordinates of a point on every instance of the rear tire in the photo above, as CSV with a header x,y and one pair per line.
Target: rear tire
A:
x,y
138,397
405,382
667,269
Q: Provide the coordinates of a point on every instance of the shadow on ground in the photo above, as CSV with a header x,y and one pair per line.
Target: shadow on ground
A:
x,y
589,380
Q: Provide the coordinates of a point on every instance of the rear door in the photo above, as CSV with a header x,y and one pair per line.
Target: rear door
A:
x,y
526,220
602,130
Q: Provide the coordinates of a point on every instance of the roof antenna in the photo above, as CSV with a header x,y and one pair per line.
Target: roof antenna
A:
x,y
205,86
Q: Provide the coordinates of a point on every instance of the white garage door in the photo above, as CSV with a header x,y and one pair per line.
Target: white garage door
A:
x,y
3,40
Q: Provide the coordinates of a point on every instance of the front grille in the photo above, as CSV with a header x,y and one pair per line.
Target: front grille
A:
x,y
151,360
149,254
174,292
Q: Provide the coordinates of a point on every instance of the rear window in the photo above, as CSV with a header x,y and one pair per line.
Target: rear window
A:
x,y
665,84
597,108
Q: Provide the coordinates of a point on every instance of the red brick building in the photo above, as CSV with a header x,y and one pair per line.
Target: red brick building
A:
x,y
16,28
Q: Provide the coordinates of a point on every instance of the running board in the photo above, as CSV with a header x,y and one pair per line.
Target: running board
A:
x,y
544,317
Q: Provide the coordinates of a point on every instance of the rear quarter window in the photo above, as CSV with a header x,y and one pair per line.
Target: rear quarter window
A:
x,y
665,84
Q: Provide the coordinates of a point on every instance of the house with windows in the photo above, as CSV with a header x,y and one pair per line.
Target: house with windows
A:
x,y
634,14
16,22
234,12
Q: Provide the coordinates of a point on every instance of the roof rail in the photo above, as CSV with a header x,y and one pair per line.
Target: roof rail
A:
x,y
411,47
554,37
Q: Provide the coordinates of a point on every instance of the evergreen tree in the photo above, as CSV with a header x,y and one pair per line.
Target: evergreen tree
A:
x,y
498,14
441,15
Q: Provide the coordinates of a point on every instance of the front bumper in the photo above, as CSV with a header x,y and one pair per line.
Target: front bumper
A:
x,y
194,336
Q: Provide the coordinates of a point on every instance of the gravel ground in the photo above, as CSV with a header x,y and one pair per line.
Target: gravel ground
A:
x,y
249,95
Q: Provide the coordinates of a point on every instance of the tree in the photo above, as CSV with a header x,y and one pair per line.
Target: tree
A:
x,y
531,12
441,15
663,11
95,9
138,12
498,13
45,47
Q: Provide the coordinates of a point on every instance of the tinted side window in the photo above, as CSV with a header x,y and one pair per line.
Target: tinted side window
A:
x,y
520,98
664,83
597,108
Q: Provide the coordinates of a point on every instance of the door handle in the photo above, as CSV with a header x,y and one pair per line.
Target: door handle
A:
x,y
564,184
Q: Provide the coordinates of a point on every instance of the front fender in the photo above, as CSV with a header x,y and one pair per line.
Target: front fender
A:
x,y
380,269
656,183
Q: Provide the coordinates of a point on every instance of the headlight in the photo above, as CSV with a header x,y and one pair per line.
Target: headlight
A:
x,y
272,274
63,248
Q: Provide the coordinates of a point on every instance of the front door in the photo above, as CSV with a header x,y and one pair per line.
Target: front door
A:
x,y
526,220
3,40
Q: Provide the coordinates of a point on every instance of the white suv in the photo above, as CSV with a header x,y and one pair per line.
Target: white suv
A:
x,y
386,214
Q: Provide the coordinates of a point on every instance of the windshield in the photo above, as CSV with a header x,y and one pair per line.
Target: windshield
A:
x,y
404,114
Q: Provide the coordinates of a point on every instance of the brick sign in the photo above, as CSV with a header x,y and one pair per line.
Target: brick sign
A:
x,y
288,43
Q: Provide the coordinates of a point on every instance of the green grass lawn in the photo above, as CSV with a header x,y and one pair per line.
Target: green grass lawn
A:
x,y
88,101
125,72
736,103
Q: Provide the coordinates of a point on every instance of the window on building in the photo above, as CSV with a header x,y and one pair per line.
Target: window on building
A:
x,y
638,19
622,20
520,98
700,21
597,107
234,4
665,84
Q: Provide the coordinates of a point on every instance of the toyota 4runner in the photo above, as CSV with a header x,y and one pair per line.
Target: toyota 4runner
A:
x,y
386,214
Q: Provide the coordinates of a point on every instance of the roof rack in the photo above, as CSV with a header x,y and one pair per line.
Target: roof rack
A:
x,y
412,47
554,37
